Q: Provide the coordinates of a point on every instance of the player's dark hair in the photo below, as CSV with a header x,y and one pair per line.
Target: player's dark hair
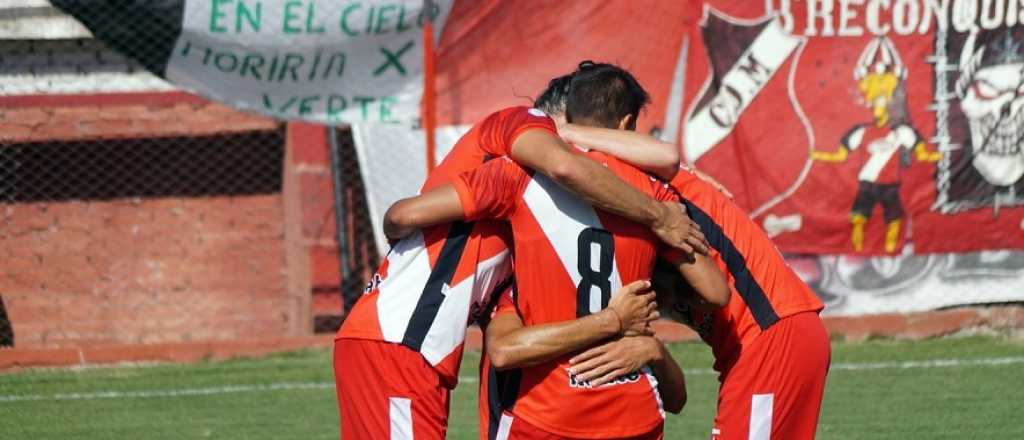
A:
x,y
671,291
666,280
552,99
602,94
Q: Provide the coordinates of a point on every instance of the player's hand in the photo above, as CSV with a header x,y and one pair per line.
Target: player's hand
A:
x,y
676,229
634,307
604,363
711,181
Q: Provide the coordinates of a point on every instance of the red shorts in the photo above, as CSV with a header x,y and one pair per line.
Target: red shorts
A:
x,y
387,391
775,388
490,405
511,427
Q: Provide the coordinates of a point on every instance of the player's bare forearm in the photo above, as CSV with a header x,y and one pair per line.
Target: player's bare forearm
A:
x,y
643,151
706,279
440,205
671,380
594,183
510,344
591,181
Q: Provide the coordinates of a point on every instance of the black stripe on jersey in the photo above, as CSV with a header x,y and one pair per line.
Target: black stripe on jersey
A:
x,y
746,285
502,390
430,301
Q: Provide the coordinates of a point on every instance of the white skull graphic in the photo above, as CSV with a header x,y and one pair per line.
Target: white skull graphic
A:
x,y
993,104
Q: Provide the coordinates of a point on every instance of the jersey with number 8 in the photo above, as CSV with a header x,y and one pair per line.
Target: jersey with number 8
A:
x,y
569,259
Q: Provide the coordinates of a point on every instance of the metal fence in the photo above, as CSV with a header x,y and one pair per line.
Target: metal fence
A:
x,y
125,219
180,166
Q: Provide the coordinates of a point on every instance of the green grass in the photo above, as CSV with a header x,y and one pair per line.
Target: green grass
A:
x,y
955,402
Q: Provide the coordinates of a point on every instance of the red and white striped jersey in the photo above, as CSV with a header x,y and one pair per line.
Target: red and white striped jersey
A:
x,y
763,287
569,259
433,283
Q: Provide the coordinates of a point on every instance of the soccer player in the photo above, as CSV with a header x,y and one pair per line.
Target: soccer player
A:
x,y
398,353
770,346
569,258
510,345
513,345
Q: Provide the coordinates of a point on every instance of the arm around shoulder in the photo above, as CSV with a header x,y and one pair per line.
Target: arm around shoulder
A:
x,y
643,151
671,381
440,205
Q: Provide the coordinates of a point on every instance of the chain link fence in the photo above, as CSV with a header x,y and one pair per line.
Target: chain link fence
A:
x,y
132,213
357,253
235,164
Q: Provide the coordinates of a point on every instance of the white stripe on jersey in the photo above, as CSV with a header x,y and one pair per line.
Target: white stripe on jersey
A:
x,y
562,216
449,327
408,270
504,427
646,370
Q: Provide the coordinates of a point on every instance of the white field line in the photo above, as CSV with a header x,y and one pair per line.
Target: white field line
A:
x,y
232,389
227,389
931,363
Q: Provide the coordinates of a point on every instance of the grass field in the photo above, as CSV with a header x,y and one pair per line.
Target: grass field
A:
x,y
953,388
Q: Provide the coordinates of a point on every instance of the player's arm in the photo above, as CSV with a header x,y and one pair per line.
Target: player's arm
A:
x,y
604,363
440,205
707,280
671,381
643,151
486,192
545,152
510,344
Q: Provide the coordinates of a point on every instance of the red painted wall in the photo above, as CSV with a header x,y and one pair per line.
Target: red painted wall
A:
x,y
156,270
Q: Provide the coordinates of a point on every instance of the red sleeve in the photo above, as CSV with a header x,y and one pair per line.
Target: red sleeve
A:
x,y
501,129
491,191
663,192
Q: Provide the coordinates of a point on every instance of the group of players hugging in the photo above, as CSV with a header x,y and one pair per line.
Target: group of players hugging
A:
x,y
563,233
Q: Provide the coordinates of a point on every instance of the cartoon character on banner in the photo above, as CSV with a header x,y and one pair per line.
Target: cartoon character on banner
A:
x,y
987,166
884,146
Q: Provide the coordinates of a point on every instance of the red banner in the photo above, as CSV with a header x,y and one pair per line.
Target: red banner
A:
x,y
873,126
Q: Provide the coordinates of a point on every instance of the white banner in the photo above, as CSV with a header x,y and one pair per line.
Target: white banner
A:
x,y
328,61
